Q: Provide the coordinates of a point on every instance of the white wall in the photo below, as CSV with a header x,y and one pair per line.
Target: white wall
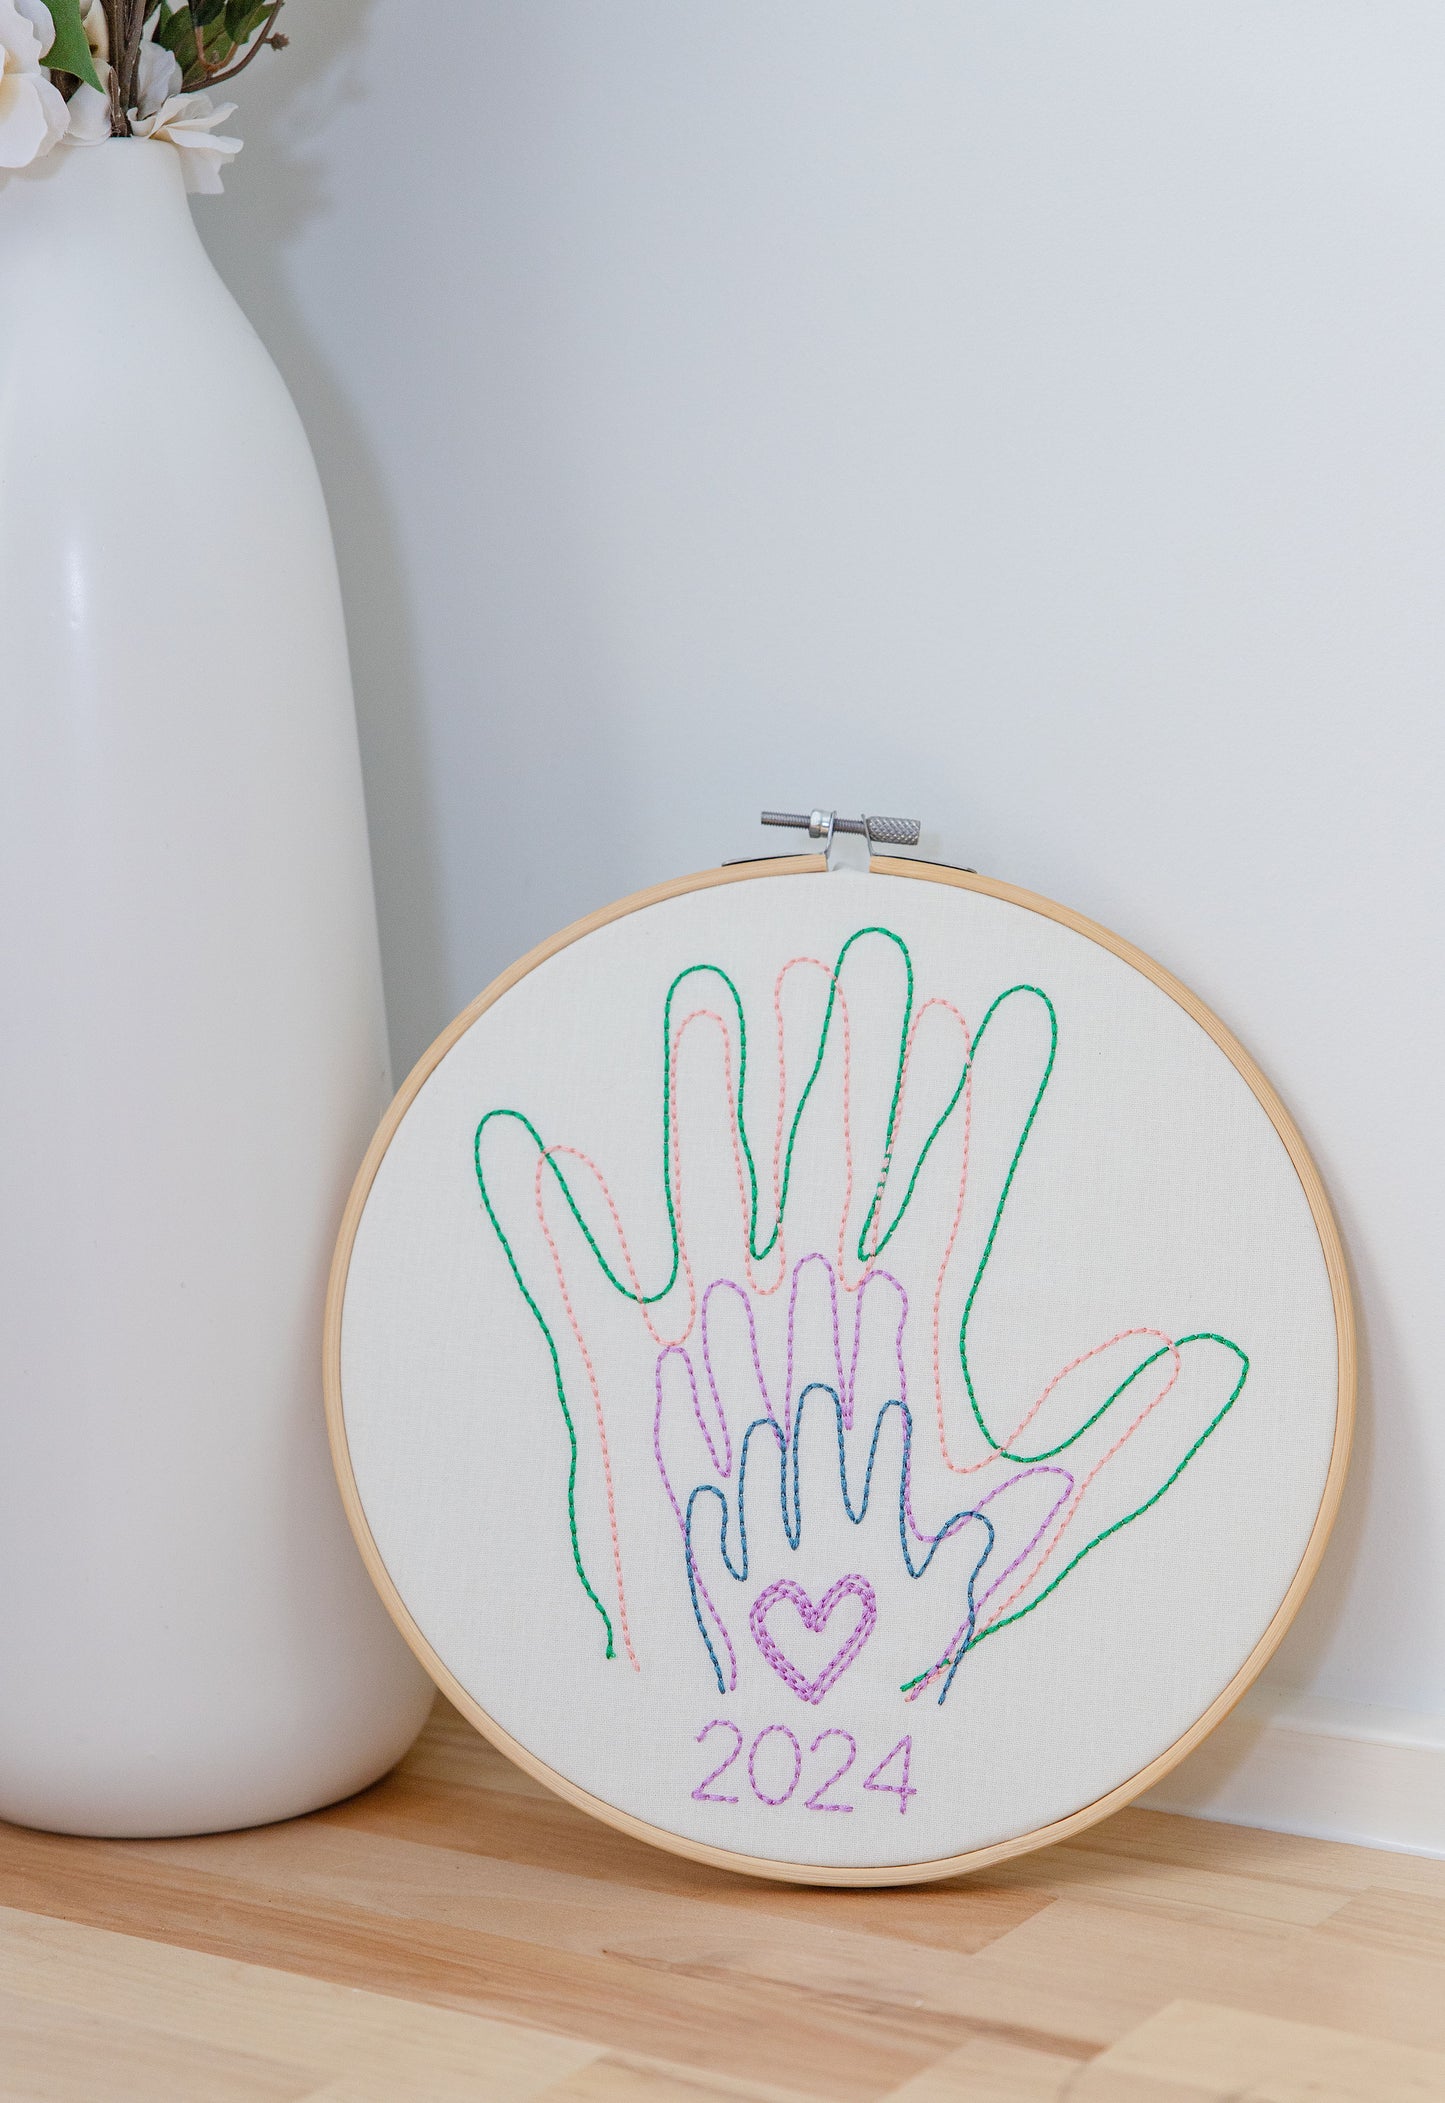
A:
x,y
1024,413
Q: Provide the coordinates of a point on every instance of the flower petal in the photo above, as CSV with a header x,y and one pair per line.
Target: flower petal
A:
x,y
24,119
158,77
186,122
38,15
89,113
56,113
97,32
20,40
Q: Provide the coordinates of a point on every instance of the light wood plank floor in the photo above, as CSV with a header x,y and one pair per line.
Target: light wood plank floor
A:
x,y
459,1933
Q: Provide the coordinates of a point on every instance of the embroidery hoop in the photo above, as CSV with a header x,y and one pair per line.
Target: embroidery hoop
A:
x,y
1058,1829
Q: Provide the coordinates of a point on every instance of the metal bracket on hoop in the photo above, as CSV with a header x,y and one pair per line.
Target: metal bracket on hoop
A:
x,y
822,825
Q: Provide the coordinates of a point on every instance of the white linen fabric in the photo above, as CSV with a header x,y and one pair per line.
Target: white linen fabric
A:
x,y
917,1523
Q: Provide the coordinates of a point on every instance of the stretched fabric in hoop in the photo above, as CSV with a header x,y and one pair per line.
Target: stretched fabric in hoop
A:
x,y
857,1312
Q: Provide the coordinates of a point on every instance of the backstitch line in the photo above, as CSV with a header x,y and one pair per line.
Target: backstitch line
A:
x,y
873,1237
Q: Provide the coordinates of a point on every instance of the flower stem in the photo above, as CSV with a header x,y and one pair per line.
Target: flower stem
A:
x,y
265,36
118,32
136,10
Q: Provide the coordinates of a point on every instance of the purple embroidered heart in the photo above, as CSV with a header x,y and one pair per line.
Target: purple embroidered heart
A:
x,y
815,1620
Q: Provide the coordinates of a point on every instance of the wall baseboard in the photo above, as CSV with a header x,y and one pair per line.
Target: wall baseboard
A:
x,y
1332,1770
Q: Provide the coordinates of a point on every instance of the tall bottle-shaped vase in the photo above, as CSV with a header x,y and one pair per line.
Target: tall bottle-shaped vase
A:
x,y
193,1043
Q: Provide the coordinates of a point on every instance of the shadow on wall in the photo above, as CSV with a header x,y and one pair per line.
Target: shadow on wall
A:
x,y
275,190
494,686
1347,1602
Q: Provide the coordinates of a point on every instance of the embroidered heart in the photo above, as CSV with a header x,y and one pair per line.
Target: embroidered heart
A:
x,y
815,1619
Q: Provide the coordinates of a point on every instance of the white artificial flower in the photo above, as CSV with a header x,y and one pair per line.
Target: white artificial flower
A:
x,y
97,33
32,112
185,122
157,75
89,108
38,15
89,112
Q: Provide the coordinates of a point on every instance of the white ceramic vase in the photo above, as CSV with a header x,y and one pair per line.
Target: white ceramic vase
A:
x,y
193,1049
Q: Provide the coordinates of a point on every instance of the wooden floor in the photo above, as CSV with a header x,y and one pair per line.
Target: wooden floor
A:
x,y
459,1933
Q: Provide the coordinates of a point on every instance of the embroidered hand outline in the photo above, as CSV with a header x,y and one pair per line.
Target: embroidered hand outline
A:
x,y
580,1224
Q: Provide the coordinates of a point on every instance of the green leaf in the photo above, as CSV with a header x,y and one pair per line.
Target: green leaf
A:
x,y
244,18
70,53
175,34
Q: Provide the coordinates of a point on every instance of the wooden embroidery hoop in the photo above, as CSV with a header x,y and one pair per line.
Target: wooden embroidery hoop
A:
x,y
1219,1708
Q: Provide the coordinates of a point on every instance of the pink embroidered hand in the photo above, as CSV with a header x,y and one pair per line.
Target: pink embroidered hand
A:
x,y
892,1470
